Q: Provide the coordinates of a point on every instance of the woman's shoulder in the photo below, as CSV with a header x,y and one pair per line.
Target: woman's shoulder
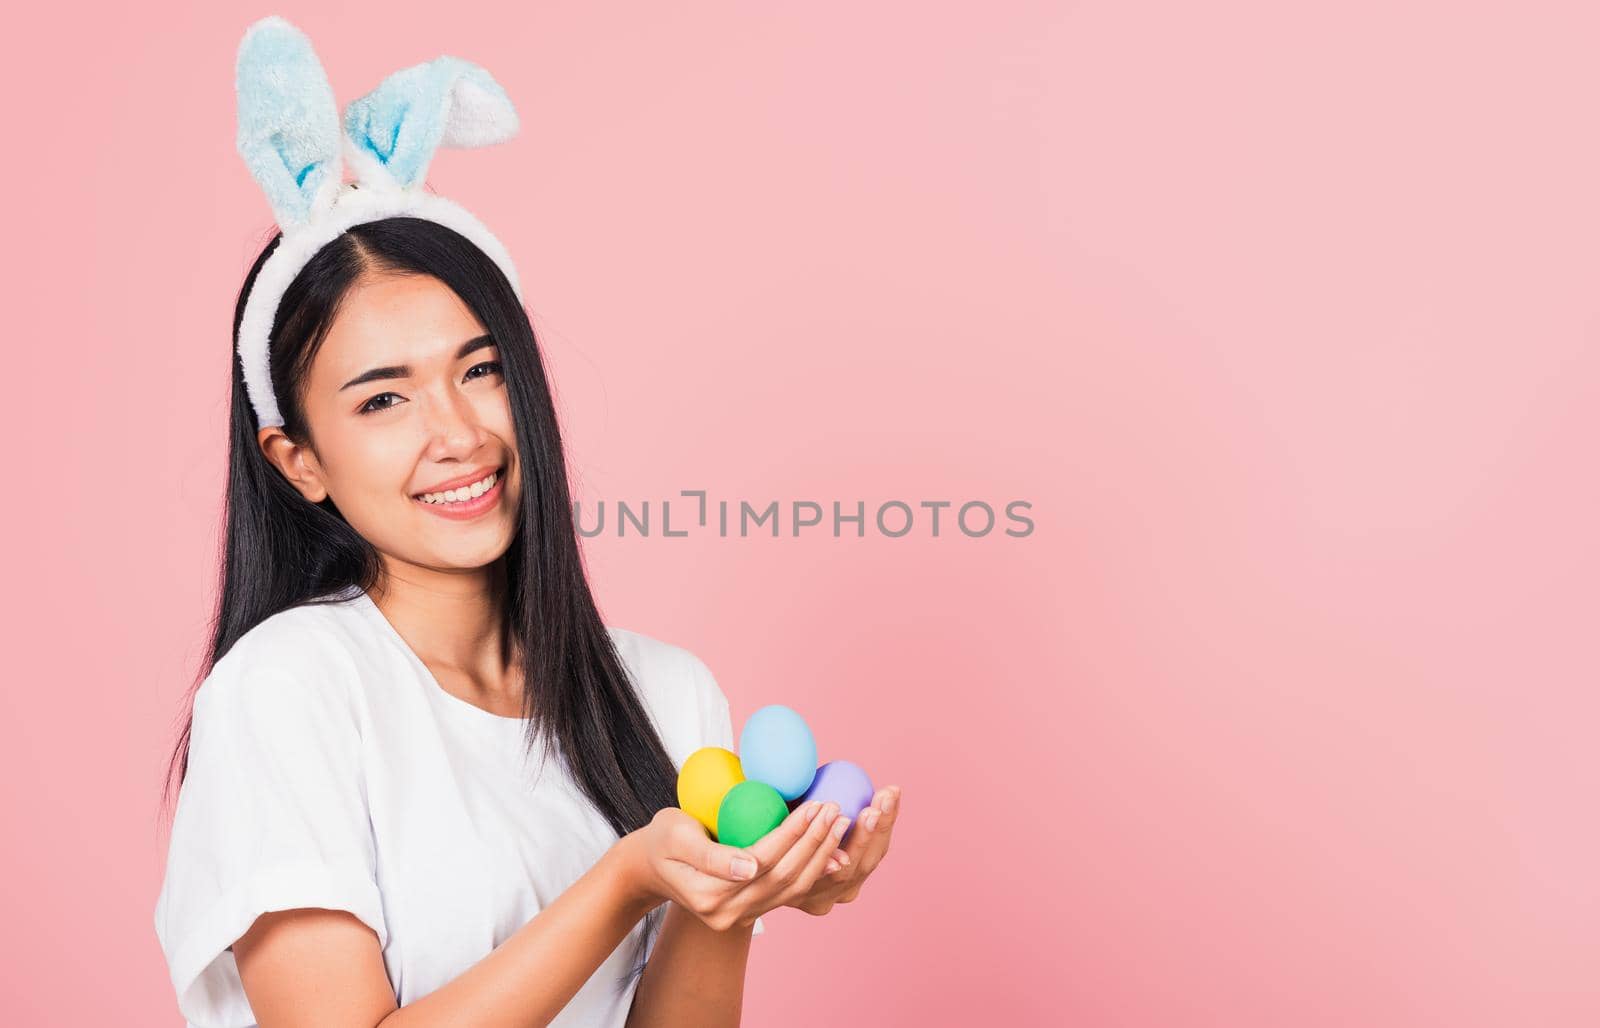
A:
x,y
658,662
315,641
650,651
673,680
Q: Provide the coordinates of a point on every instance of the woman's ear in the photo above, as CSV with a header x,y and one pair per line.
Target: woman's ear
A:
x,y
297,463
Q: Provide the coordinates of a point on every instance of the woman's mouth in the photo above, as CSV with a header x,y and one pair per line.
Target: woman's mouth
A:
x,y
467,501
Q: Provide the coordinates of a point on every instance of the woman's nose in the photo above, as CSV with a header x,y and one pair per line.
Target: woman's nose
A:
x,y
453,424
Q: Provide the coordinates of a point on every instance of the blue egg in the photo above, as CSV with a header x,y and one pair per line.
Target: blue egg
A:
x,y
777,747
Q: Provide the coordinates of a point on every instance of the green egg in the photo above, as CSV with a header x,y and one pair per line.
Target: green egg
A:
x,y
750,810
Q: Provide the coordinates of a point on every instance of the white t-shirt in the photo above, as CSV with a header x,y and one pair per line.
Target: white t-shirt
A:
x,y
328,768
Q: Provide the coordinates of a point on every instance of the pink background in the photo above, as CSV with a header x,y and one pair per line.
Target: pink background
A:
x,y
1282,316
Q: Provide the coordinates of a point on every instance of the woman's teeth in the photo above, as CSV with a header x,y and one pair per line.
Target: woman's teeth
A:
x,y
466,492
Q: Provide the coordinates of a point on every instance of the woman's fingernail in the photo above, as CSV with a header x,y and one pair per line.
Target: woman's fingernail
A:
x,y
888,802
833,865
870,819
811,811
842,857
840,826
743,867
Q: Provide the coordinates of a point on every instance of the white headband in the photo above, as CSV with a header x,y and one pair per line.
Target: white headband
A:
x,y
290,137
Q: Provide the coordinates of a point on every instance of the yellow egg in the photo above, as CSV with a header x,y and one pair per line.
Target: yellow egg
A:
x,y
706,777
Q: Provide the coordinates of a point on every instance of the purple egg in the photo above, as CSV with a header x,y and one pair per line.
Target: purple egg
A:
x,y
844,783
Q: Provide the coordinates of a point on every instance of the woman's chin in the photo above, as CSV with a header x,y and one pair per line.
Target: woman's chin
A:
x,y
467,558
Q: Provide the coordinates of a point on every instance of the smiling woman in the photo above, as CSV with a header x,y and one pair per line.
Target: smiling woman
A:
x,y
404,394
422,780
403,599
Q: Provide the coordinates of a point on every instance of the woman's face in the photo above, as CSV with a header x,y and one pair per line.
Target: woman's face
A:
x,y
406,399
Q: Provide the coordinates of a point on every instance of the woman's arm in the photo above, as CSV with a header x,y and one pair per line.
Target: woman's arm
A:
x,y
317,967
695,975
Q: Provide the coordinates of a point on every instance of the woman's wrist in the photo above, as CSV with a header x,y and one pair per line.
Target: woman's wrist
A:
x,y
630,878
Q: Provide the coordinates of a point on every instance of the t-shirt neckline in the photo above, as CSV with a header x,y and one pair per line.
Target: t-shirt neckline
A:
x,y
489,717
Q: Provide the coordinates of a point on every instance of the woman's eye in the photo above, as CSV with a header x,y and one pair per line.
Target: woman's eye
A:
x,y
368,408
372,406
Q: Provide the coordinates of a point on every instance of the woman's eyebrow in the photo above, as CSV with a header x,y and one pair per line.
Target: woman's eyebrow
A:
x,y
404,370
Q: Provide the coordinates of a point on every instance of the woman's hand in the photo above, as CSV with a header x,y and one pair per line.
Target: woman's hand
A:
x,y
868,844
673,858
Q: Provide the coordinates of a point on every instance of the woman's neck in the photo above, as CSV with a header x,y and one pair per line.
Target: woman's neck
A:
x,y
452,621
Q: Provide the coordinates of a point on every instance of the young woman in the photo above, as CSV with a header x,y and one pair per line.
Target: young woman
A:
x,y
422,782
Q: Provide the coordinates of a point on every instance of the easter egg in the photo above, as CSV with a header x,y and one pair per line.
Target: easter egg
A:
x,y
844,783
750,810
777,747
705,779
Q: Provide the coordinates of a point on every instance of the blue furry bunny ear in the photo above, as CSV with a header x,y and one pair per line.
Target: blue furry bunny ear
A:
x,y
288,129
394,130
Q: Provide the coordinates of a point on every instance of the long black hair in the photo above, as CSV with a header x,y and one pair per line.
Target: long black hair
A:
x,y
280,550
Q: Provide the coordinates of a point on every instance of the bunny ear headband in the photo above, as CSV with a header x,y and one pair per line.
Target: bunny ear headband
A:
x,y
290,137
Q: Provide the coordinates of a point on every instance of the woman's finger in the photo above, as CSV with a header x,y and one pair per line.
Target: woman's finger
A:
x,y
684,842
867,822
888,812
870,840
873,844
817,837
771,847
821,858
729,863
